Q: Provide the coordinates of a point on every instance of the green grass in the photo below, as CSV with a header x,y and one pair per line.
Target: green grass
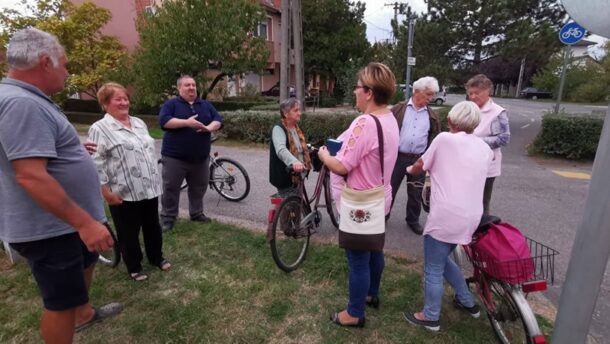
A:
x,y
225,288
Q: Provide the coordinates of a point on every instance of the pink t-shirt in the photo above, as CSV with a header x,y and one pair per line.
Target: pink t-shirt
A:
x,y
457,163
359,154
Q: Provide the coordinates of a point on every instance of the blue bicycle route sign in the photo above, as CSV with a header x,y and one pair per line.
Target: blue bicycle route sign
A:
x,y
571,33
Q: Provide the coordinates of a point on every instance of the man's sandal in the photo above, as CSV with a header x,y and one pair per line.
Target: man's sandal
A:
x,y
101,313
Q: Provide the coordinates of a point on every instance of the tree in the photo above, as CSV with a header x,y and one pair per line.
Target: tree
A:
x,y
431,45
193,36
482,29
92,55
587,81
333,33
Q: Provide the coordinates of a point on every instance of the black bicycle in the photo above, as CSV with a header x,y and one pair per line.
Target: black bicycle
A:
x,y
295,217
227,176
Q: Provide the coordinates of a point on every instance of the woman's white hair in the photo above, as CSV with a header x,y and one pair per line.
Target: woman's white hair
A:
x,y
427,82
465,116
27,46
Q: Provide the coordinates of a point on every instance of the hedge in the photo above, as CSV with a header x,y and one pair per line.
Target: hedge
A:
x,y
90,118
232,106
572,136
255,126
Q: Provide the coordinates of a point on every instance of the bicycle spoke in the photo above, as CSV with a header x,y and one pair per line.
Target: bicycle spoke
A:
x,y
290,239
229,179
505,317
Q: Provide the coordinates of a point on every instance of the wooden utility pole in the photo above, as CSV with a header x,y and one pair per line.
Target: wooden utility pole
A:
x,y
297,32
285,50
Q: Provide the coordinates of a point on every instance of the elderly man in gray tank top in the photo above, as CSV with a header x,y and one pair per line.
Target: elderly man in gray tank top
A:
x,y
51,209
418,125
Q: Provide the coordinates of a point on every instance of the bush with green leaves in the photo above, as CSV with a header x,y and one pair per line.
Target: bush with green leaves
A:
x,y
255,126
572,136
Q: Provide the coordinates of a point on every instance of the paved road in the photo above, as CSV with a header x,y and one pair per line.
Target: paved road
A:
x,y
544,205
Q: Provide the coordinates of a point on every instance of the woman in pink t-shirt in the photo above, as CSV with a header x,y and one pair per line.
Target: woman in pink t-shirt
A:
x,y
359,162
457,162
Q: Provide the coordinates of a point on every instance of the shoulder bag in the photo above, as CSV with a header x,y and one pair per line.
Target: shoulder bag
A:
x,y
362,213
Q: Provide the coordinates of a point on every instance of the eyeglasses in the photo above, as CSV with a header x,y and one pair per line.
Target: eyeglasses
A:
x,y
366,88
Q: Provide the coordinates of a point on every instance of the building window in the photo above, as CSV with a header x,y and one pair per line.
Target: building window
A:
x,y
265,29
150,10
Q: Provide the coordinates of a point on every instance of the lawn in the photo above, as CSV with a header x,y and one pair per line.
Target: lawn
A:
x,y
225,288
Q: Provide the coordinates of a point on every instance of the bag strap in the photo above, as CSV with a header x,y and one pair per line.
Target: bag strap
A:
x,y
380,138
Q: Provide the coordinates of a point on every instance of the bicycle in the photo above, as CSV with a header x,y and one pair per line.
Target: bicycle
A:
x,y
111,257
508,311
294,217
227,176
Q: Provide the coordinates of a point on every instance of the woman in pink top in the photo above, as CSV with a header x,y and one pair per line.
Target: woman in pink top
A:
x,y
458,163
359,162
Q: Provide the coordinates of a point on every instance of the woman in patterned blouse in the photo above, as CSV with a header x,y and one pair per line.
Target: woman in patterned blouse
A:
x,y
131,183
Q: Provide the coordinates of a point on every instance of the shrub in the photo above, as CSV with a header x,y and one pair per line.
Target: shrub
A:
x,y
328,102
152,121
572,136
232,106
255,126
267,107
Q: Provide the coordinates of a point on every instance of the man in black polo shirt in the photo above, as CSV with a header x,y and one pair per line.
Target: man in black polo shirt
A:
x,y
188,122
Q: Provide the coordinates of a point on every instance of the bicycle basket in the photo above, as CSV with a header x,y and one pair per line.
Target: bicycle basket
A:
x,y
536,263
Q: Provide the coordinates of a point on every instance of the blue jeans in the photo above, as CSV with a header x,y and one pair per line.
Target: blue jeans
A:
x,y
365,268
437,265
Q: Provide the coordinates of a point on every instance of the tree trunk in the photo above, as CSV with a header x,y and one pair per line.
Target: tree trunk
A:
x,y
218,77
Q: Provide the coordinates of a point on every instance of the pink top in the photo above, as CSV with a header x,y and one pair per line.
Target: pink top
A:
x,y
457,163
359,154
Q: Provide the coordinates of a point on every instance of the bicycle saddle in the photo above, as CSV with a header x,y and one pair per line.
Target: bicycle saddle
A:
x,y
486,222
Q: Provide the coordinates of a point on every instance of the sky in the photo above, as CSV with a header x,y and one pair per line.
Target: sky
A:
x,y
377,17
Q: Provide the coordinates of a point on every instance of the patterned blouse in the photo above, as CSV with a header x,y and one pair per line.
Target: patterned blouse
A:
x,y
126,161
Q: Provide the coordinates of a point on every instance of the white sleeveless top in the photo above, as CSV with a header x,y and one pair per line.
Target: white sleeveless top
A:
x,y
489,112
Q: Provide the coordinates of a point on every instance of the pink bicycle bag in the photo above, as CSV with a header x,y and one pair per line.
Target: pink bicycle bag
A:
x,y
503,253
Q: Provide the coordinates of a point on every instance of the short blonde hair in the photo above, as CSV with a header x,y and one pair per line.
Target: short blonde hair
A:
x,y
107,91
465,116
480,81
378,78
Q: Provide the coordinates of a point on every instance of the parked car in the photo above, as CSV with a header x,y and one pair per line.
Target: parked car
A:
x,y
274,91
534,93
439,98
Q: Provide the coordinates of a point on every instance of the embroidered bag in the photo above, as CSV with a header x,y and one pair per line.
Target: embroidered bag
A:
x,y
362,213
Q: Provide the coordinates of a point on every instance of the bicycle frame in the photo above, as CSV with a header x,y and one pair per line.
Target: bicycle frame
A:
x,y
313,216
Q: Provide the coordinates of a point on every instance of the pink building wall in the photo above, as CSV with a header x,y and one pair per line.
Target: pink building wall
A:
x,y
123,22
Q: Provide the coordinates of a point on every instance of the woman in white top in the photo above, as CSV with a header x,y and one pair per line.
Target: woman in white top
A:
x,y
131,184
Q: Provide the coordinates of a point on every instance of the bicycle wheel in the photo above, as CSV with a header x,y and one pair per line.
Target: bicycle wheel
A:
x,y
460,258
112,256
290,239
230,179
331,206
512,318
